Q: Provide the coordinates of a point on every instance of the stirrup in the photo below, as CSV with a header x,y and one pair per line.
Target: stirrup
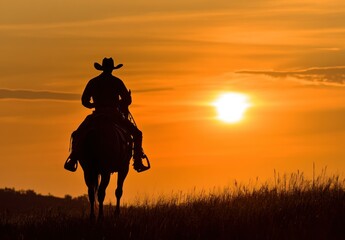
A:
x,y
71,165
143,168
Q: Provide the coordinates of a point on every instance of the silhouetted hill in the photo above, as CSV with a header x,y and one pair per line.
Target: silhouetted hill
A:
x,y
27,201
291,208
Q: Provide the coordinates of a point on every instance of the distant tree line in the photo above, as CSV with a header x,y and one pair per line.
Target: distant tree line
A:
x,y
25,201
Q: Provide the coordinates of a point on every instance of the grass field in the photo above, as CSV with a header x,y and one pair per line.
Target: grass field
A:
x,y
291,207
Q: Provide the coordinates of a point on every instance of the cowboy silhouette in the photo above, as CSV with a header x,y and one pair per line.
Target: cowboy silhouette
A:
x,y
109,97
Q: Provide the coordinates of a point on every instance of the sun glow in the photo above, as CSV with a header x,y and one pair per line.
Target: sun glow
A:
x,y
231,107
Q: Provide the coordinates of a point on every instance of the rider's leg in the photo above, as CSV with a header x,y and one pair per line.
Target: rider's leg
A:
x,y
138,154
77,137
138,140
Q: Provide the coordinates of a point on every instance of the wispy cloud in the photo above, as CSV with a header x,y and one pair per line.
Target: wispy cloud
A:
x,y
325,75
36,95
145,90
50,95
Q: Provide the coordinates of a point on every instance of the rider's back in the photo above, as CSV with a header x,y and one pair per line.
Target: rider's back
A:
x,y
105,91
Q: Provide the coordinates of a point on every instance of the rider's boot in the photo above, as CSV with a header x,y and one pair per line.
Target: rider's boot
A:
x,y
71,163
138,161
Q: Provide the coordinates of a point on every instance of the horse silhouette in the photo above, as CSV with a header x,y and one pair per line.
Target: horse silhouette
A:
x,y
107,148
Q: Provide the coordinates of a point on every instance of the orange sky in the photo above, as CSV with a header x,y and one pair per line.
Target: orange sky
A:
x,y
178,57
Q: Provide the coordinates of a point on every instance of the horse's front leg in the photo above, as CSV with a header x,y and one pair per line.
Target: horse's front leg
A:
x,y
105,178
121,176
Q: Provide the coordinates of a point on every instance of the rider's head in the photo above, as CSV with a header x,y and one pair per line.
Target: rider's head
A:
x,y
107,65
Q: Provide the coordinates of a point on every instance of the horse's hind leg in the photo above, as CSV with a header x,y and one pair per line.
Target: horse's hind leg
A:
x,y
105,178
91,181
118,192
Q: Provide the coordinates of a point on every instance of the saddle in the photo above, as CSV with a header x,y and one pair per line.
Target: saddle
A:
x,y
102,132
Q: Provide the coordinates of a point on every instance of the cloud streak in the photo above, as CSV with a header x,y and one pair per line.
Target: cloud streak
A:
x,y
37,95
324,75
51,95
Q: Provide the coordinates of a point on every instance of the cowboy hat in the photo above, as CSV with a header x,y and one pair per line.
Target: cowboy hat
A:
x,y
107,64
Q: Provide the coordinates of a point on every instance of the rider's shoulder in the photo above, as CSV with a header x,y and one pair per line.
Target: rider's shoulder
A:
x,y
117,81
93,81
115,78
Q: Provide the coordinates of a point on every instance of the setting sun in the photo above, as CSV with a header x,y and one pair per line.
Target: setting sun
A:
x,y
231,107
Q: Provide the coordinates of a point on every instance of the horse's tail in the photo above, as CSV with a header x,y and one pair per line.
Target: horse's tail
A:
x,y
114,142
108,147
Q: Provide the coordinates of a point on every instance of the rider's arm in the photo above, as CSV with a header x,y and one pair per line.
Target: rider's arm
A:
x,y
126,97
86,97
